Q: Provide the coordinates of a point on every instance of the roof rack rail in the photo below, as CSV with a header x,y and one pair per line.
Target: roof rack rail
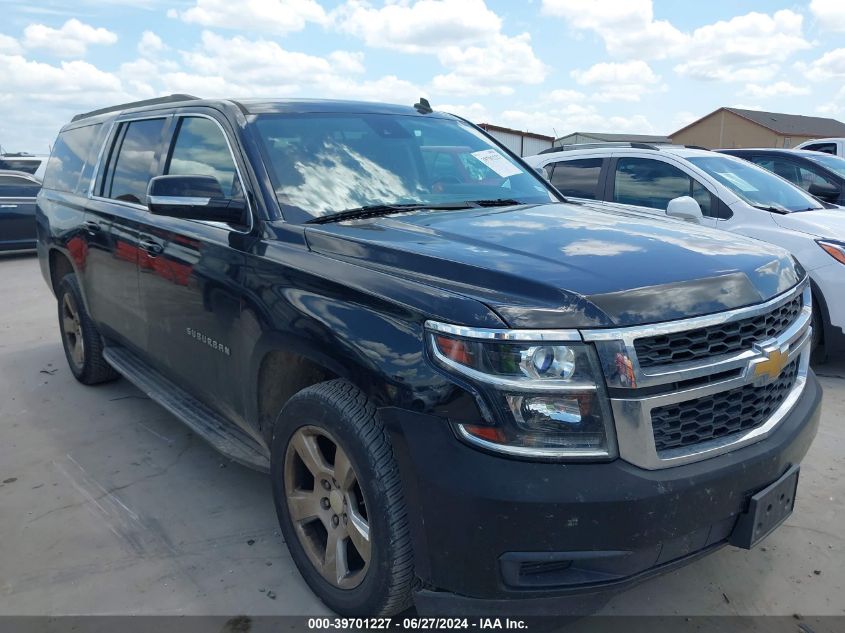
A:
x,y
566,148
135,104
706,149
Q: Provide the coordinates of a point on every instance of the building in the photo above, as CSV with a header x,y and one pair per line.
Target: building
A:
x,y
521,143
733,127
599,137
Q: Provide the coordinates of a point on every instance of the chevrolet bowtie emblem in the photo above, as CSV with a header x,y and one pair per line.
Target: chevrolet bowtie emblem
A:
x,y
769,369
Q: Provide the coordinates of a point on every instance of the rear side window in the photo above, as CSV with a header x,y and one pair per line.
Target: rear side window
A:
x,y
827,148
135,162
17,187
783,168
74,149
652,183
30,165
201,150
577,178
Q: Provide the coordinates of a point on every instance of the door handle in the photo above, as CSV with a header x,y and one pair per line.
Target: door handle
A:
x,y
91,226
150,246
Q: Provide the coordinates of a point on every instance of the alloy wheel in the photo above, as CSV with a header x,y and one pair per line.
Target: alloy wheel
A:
x,y
72,331
327,507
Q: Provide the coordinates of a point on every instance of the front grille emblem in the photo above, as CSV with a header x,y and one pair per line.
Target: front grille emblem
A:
x,y
768,370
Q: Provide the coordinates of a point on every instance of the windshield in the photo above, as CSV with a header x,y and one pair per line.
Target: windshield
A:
x,y
324,164
835,164
755,185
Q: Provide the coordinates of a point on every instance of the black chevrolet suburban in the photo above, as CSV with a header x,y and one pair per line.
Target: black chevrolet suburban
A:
x,y
470,394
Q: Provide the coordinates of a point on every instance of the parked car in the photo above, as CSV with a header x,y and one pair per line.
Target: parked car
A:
x,y
21,161
720,191
17,211
469,394
822,175
835,146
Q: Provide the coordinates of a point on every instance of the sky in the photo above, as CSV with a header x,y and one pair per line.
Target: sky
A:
x,y
546,66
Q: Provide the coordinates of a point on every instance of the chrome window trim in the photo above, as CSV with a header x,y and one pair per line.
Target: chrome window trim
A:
x,y
179,201
141,207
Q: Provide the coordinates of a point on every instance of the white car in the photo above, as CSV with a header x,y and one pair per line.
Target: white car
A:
x,y
720,191
835,146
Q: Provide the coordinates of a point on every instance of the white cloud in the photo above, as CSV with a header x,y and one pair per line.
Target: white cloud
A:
x,y
627,27
421,27
490,69
746,48
563,95
464,35
475,112
273,16
622,81
347,62
150,44
9,45
830,14
829,66
37,80
70,40
571,118
777,89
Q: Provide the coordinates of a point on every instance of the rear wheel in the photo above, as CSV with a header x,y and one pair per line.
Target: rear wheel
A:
x,y
82,342
339,501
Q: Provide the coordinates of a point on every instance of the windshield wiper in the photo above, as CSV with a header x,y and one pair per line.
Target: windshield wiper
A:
x,y
376,210
497,202
772,209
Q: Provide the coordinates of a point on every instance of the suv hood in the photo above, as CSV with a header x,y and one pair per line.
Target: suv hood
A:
x,y
566,265
824,223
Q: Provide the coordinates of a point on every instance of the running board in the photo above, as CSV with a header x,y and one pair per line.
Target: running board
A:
x,y
215,429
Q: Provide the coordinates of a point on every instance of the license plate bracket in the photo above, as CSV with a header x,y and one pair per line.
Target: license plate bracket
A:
x,y
767,509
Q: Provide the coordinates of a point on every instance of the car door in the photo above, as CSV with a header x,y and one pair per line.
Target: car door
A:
x,y
17,211
114,218
650,183
190,272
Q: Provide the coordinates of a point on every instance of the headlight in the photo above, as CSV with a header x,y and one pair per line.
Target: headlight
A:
x,y
542,398
834,249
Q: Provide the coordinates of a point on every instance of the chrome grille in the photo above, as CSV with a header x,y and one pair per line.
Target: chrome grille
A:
x,y
720,391
693,421
714,340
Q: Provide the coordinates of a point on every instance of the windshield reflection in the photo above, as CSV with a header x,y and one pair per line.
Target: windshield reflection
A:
x,y
323,164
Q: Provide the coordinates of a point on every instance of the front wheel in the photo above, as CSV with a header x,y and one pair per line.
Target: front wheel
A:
x,y
339,501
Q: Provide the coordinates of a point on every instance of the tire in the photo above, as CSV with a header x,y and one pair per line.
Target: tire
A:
x,y
375,575
81,341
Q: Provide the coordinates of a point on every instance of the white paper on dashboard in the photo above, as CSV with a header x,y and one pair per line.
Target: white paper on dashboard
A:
x,y
498,163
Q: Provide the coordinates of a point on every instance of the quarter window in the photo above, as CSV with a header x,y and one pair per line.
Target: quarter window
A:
x,y
75,151
201,149
577,178
135,161
652,183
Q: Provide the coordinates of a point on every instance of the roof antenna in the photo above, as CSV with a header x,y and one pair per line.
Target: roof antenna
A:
x,y
423,107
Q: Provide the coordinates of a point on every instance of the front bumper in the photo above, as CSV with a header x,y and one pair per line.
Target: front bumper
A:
x,y
497,534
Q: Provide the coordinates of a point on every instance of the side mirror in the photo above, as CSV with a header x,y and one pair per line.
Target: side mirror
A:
x,y
193,198
685,208
543,173
827,192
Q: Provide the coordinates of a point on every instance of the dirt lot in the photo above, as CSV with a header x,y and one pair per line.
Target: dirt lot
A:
x,y
109,505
